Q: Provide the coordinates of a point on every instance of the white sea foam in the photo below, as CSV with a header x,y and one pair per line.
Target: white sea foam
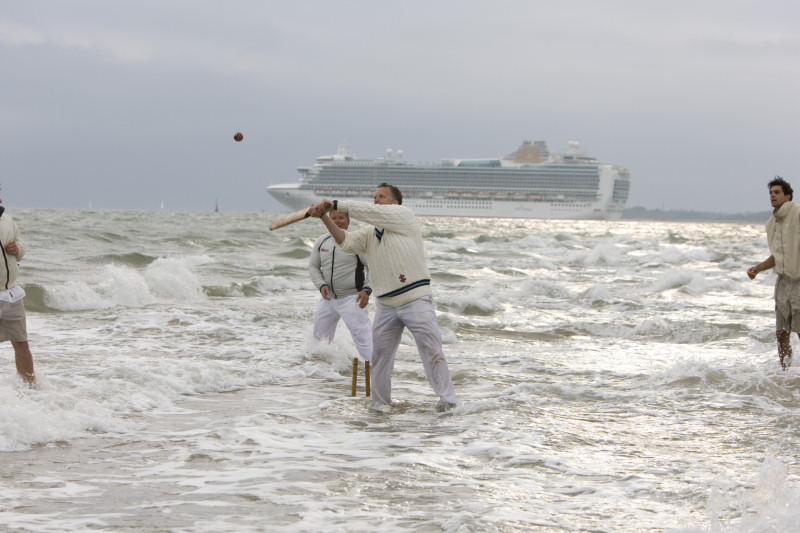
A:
x,y
266,284
172,279
536,287
679,278
610,375
481,300
770,505
166,279
75,296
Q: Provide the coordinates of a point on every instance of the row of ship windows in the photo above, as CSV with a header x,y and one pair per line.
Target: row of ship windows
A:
x,y
445,203
621,189
440,176
486,205
460,179
572,181
554,188
428,195
464,169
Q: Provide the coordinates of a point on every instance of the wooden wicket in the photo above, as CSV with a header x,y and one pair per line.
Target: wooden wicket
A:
x,y
355,377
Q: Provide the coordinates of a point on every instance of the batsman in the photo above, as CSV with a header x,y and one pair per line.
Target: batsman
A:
x,y
401,286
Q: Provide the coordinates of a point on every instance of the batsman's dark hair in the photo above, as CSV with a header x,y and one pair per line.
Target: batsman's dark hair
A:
x,y
395,192
783,184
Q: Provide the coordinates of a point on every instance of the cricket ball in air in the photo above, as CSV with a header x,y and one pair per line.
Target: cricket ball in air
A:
x,y
238,136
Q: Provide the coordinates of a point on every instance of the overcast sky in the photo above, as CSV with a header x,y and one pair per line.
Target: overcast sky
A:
x,y
128,104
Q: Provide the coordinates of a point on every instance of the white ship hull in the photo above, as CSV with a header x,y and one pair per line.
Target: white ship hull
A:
x,y
295,198
571,186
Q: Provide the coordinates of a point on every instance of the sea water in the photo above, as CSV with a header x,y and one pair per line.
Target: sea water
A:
x,y
611,376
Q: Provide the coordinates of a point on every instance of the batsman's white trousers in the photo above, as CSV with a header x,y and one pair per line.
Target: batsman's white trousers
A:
x,y
355,318
419,317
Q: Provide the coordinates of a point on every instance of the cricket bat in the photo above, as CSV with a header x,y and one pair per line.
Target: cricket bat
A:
x,y
291,218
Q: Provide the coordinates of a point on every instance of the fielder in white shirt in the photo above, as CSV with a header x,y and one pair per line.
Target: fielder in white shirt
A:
x,y
343,283
12,310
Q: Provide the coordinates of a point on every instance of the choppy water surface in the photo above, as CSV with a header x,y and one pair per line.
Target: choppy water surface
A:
x,y
612,376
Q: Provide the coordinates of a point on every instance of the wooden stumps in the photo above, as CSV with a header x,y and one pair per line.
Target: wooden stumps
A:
x,y
355,377
366,377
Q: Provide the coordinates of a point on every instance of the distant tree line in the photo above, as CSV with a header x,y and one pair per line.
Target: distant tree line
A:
x,y
641,213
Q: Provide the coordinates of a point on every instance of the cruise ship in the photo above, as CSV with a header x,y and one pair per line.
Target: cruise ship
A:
x,y
530,182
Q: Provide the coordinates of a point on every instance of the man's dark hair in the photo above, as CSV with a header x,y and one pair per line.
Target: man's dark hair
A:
x,y
783,184
395,192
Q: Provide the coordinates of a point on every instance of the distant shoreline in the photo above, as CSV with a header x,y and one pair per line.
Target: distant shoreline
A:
x,y
632,213
641,213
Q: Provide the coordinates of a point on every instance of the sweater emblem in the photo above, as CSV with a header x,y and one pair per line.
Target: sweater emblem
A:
x,y
324,249
402,278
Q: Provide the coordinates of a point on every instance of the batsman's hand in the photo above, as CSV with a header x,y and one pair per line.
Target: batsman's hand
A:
x,y
317,210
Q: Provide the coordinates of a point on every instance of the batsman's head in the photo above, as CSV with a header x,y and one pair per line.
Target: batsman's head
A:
x,y
387,194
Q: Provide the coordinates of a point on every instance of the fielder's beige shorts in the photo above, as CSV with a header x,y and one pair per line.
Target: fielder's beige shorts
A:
x,y
12,322
787,304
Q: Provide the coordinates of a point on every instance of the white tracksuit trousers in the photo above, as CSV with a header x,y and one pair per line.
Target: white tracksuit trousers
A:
x,y
355,318
419,317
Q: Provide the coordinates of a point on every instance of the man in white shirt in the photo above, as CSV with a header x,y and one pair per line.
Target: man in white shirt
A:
x,y
783,237
343,282
12,310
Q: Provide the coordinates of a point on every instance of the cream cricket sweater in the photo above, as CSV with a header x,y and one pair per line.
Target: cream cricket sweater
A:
x,y
393,244
783,237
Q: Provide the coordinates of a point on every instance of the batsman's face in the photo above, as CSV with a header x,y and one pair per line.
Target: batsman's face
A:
x,y
383,196
340,219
